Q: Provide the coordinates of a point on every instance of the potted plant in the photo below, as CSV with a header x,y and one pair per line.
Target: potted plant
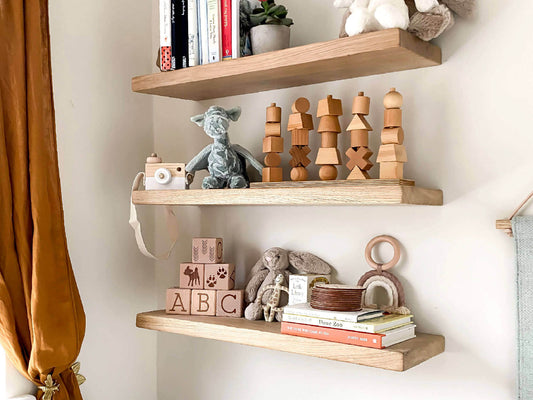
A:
x,y
270,27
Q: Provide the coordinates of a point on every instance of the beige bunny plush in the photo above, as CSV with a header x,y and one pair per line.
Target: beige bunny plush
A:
x,y
277,261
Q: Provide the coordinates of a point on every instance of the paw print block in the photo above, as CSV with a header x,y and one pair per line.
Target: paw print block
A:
x,y
219,276
203,302
178,301
207,250
230,303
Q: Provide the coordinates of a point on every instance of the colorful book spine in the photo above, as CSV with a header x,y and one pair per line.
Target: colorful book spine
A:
x,y
235,29
347,325
165,35
193,44
213,28
227,38
183,33
203,32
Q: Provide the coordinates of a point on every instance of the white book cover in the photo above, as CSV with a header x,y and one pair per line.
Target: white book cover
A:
x,y
398,335
165,36
235,29
305,309
194,52
203,32
214,30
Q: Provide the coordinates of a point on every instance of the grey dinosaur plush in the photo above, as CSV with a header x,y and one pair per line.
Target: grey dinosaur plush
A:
x,y
225,162
277,261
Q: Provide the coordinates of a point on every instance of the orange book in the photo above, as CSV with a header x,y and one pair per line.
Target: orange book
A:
x,y
373,340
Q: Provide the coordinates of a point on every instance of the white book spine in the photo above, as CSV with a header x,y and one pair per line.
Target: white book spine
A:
x,y
203,32
235,29
214,32
193,33
313,312
328,323
165,35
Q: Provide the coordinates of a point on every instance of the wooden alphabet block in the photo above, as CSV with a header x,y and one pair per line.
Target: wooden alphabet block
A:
x,y
203,302
273,113
359,138
329,123
178,301
273,144
300,121
300,137
272,174
391,170
392,136
191,276
328,156
207,250
329,106
392,118
359,122
230,303
361,104
219,276
272,159
272,129
359,158
392,152
299,156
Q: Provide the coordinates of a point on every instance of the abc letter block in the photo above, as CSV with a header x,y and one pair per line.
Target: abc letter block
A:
x,y
207,250
203,302
192,276
178,301
219,276
230,303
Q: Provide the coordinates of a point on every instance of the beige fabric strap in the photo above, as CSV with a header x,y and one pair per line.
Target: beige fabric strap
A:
x,y
171,220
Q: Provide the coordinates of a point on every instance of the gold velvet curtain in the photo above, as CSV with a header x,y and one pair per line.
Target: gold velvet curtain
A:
x,y
42,322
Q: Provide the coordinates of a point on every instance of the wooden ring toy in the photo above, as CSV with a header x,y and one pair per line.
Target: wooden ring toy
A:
x,y
383,239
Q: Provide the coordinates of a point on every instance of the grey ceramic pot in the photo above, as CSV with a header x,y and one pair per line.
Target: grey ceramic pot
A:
x,y
267,38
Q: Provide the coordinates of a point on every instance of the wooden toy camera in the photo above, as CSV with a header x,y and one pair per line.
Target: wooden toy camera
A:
x,y
164,176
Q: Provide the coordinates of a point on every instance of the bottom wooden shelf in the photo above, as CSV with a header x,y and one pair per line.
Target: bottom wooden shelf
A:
x,y
399,357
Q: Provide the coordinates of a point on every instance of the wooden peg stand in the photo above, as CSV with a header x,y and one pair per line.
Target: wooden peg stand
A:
x,y
329,110
300,123
273,145
359,154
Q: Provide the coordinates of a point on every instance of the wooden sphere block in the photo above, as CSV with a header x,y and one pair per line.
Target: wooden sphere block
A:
x,y
327,173
273,113
392,136
219,276
392,118
328,139
192,276
299,174
272,160
391,170
359,122
361,104
329,123
300,137
272,174
358,138
203,302
329,106
357,174
328,156
273,129
273,144
207,250
300,121
178,301
392,152
393,99
301,105
230,303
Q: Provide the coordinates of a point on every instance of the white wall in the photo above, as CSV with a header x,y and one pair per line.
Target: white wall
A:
x,y
467,133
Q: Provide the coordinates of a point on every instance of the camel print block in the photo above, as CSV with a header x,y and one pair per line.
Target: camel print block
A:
x,y
203,302
207,250
219,276
230,303
178,301
192,276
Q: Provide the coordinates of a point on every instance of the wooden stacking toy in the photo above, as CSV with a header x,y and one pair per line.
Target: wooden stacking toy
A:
x,y
300,123
206,284
359,153
273,145
329,110
392,154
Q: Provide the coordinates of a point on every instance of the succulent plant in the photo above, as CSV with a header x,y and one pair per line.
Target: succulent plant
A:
x,y
270,13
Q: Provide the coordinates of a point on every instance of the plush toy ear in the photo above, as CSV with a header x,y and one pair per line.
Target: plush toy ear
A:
x,y
198,119
342,3
308,263
234,113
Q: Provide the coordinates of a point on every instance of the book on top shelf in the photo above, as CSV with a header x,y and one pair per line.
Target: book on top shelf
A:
x,y
192,27
165,35
214,24
352,316
235,29
226,31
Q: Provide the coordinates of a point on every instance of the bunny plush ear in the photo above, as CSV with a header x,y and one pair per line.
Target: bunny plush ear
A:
x,y
198,119
234,113
308,263
342,3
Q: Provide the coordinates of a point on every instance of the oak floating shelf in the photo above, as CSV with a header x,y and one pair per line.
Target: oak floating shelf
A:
x,y
361,55
399,357
312,193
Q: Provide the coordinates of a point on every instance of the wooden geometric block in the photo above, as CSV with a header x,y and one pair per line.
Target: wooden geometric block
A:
x,y
300,121
391,170
219,276
192,276
329,106
329,123
272,159
299,174
299,156
392,152
357,174
359,138
273,144
301,105
328,139
359,122
300,137
327,172
230,303
273,129
272,174
361,104
273,113
207,250
359,158
178,301
328,156
392,118
203,302
392,136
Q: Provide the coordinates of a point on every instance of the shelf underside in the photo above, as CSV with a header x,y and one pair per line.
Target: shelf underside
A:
x,y
399,357
367,54
333,193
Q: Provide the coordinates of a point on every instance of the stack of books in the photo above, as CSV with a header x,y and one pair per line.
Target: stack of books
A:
x,y
195,32
368,327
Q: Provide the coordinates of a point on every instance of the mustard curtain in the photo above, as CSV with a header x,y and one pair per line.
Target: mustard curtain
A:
x,y
42,322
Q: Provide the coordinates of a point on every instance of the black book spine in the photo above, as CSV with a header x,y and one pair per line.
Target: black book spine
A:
x,y
183,35
174,32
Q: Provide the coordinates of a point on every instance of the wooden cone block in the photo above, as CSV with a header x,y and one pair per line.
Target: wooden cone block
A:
x,y
392,152
361,104
272,174
358,174
273,144
272,160
329,123
392,136
300,137
359,138
329,106
273,129
328,156
359,122
329,139
273,113
391,170
392,118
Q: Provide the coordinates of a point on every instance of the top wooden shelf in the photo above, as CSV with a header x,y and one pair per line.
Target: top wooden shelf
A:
x,y
367,54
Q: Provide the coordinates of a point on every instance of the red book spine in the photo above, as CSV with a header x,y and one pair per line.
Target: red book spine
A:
x,y
226,29
372,340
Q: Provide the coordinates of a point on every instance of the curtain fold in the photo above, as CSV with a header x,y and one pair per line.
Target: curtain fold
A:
x,y
42,322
